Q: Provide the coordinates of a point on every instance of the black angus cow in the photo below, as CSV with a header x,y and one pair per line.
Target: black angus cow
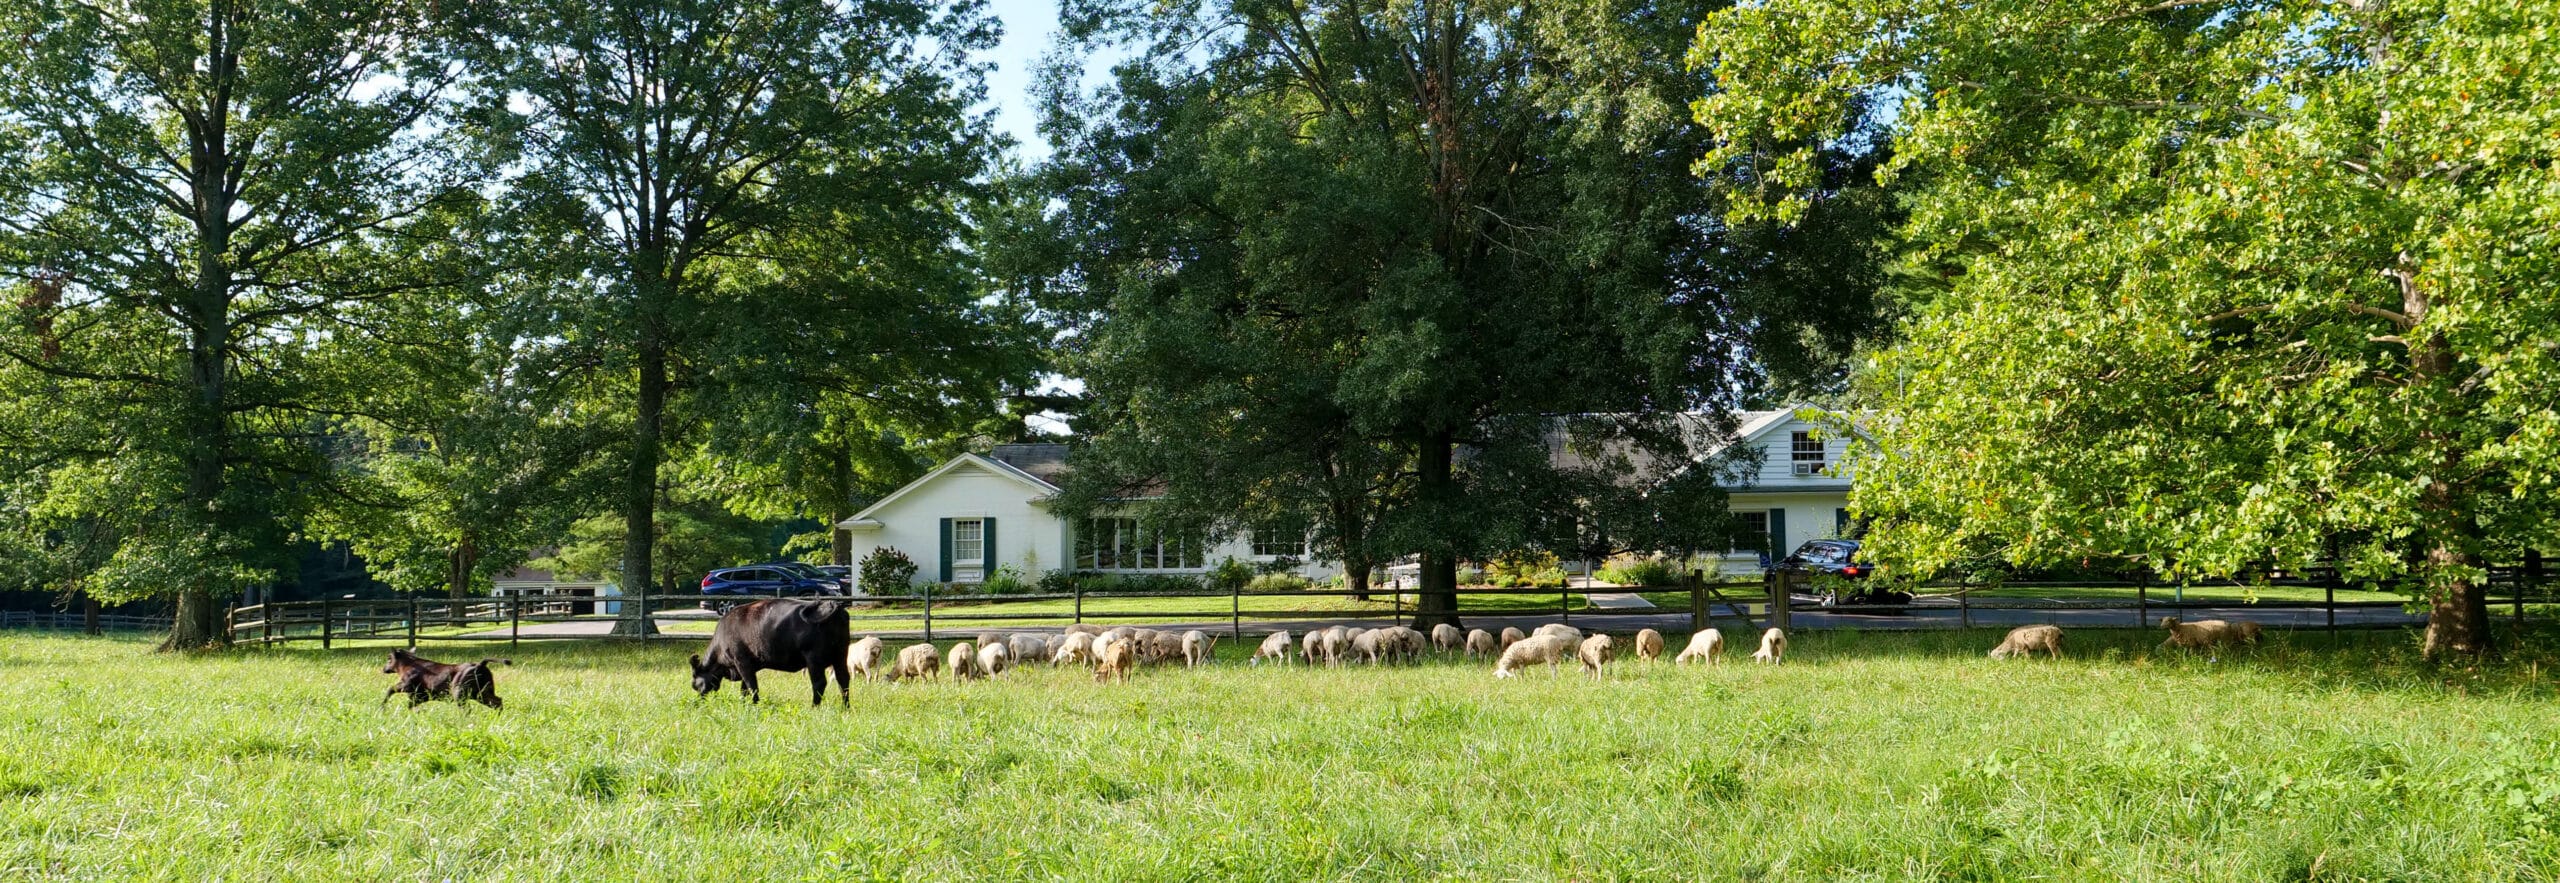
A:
x,y
424,679
782,634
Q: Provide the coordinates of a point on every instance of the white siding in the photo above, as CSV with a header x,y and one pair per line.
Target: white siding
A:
x,y
1028,538
1777,455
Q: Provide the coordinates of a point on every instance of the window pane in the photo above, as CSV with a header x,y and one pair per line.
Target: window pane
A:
x,y
1755,530
1148,557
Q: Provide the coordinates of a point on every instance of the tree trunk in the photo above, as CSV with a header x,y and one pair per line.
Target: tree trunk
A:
x,y
2457,615
1437,597
640,487
465,557
89,615
198,623
840,507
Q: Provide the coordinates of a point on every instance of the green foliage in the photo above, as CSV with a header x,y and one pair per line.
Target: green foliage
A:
x,y
1644,572
1228,575
2213,288
887,571
1524,570
1007,580
1279,582
694,537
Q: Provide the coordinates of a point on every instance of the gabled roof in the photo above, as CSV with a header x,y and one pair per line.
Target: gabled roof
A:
x,y
863,519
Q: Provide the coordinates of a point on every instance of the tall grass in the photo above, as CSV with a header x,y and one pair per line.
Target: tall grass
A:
x,y
1867,756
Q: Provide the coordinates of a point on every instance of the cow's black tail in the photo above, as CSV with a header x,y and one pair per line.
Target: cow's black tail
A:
x,y
485,662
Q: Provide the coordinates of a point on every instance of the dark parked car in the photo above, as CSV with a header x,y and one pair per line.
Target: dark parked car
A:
x,y
842,573
1838,558
780,578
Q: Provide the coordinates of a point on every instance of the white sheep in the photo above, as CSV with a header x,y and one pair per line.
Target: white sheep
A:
x,y
1649,645
1409,644
1275,647
1707,644
964,662
1570,634
1364,645
1446,638
919,661
1027,647
1196,648
864,657
1512,636
1336,643
2025,640
1773,647
1595,653
1481,644
1311,647
1530,651
2209,635
1085,628
1077,650
985,638
995,658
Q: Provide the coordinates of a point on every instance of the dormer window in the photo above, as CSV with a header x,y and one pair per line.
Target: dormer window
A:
x,y
1807,453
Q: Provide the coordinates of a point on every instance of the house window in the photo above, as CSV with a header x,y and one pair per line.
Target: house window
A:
x,y
1807,452
1280,538
1754,534
1125,544
968,549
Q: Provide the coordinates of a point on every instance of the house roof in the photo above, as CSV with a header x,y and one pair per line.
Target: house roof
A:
x,y
863,521
1046,462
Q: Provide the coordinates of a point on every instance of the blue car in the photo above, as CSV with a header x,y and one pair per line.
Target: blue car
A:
x,y
781,578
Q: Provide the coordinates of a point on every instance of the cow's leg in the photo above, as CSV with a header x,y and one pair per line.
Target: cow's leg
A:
x,y
817,683
747,685
844,679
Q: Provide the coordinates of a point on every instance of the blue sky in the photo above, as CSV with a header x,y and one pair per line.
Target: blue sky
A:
x,y
1028,26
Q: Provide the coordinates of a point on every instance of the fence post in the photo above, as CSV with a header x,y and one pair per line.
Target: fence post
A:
x,y
2530,577
1236,609
1564,601
230,623
1776,584
2329,587
1079,584
928,613
645,625
413,623
2141,602
1964,605
266,620
515,619
324,623
1698,601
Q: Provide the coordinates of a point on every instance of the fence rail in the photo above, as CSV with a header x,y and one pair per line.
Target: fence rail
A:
x,y
1778,599
48,619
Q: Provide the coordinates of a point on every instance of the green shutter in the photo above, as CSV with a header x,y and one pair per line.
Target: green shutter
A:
x,y
1839,522
987,545
944,575
1778,534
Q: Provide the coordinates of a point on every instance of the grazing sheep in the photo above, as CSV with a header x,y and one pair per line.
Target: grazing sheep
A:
x,y
919,661
1595,652
986,638
1078,650
1409,644
1364,645
1337,641
2025,640
1446,637
1085,628
964,662
1112,634
864,657
1773,647
1196,647
1530,651
1649,645
995,658
1512,636
1570,634
1024,646
2209,635
1275,647
1480,644
1707,644
1114,661
1311,646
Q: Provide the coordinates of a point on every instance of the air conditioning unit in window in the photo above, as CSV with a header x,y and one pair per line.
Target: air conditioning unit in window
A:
x,y
1809,467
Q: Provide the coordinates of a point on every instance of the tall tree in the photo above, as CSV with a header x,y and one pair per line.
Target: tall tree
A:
x,y
718,149
1428,233
195,196
2229,284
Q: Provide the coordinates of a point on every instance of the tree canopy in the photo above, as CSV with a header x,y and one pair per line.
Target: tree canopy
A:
x,y
2225,286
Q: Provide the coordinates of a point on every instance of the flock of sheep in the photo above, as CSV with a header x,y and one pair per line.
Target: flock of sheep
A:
x,y
1113,653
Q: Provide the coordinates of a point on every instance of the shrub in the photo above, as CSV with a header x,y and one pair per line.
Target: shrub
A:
x,y
1279,582
1648,572
1007,581
1513,569
1059,582
1229,575
887,571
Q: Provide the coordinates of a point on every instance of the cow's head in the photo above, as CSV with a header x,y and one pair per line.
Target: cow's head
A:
x,y
392,666
706,678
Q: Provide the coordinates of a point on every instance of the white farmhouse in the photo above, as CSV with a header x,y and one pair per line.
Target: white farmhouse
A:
x,y
977,513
